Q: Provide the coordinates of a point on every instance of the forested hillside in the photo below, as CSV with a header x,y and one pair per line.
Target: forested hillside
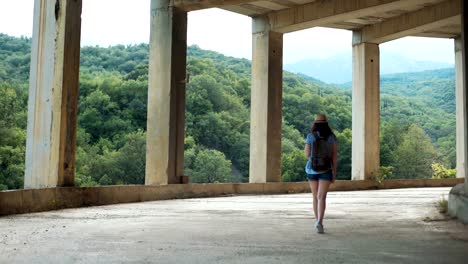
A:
x,y
418,121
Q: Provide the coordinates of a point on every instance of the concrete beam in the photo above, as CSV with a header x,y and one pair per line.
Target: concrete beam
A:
x,y
266,101
366,111
432,17
321,13
166,94
53,94
191,5
461,114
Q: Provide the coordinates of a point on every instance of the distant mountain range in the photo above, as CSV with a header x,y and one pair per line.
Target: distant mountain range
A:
x,y
338,69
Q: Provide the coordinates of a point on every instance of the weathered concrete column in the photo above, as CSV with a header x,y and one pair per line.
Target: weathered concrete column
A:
x,y
266,101
458,197
53,94
461,117
464,18
366,109
166,94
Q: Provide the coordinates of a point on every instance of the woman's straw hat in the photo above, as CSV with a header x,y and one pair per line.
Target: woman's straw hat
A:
x,y
321,118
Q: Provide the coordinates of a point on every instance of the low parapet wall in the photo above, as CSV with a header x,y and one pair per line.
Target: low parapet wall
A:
x,y
38,200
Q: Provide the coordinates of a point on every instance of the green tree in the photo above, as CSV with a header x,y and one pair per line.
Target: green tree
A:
x,y
12,140
293,165
344,154
101,117
131,158
210,166
415,155
391,138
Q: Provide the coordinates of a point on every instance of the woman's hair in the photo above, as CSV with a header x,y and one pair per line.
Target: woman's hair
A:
x,y
323,128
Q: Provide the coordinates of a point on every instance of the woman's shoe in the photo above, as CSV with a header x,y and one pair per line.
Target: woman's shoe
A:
x,y
319,227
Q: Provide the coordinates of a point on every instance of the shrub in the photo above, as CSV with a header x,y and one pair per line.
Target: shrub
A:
x,y
384,173
440,172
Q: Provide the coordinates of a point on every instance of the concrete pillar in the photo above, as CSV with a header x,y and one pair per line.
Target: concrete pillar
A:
x,y
266,101
366,110
53,94
458,196
460,92
464,63
166,94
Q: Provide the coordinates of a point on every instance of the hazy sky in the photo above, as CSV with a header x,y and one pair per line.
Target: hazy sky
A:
x,y
110,22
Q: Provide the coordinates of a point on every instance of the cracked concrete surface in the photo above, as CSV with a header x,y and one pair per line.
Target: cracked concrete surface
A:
x,y
381,226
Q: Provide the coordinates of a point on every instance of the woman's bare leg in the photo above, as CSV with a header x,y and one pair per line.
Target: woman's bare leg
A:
x,y
314,189
322,198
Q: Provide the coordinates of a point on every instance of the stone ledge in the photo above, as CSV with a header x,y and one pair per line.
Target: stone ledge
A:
x,y
458,203
38,200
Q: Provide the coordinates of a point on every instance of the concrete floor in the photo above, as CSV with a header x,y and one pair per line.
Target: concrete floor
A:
x,y
384,226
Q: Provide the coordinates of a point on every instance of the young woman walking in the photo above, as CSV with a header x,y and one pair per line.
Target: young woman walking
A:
x,y
321,148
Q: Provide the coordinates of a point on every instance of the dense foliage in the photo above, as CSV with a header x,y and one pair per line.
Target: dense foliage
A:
x,y
417,120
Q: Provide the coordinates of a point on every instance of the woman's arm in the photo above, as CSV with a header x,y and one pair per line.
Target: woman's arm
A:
x,y
307,150
334,160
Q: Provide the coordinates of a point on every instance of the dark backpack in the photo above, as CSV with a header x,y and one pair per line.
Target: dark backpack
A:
x,y
320,158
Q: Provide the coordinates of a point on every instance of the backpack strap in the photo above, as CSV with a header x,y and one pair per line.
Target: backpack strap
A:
x,y
315,135
315,150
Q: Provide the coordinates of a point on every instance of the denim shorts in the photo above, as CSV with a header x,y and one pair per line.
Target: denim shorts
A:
x,y
325,176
